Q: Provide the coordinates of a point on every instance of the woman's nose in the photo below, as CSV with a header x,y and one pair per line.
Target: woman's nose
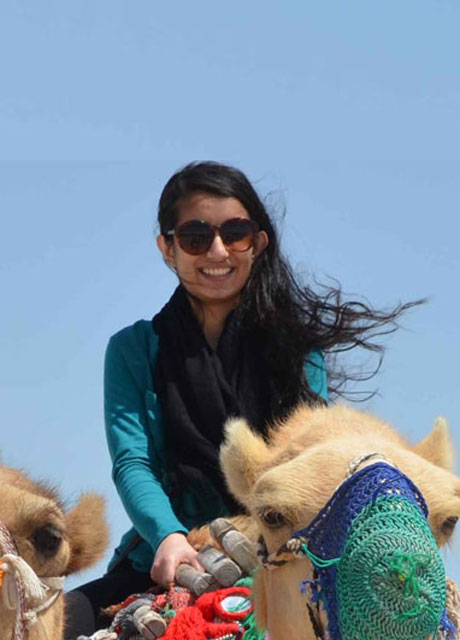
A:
x,y
218,250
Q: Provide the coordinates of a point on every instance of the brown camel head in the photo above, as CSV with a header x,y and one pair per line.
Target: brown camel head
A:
x,y
285,482
52,541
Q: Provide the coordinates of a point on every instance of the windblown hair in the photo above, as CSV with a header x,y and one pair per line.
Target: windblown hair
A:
x,y
287,318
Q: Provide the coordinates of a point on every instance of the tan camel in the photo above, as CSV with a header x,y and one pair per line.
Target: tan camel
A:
x,y
284,483
40,544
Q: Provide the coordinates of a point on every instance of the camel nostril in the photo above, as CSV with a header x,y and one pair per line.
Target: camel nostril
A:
x,y
47,540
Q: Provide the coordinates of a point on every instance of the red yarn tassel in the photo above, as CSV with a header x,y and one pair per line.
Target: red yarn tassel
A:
x,y
189,624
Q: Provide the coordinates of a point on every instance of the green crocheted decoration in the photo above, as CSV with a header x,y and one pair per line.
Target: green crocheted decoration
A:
x,y
391,581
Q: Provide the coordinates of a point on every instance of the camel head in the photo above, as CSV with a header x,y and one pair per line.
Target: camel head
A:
x,y
287,481
40,544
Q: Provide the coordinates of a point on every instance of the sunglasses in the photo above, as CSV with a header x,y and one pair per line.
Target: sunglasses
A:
x,y
196,236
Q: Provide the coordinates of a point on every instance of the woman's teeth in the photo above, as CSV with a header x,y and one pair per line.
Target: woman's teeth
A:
x,y
217,272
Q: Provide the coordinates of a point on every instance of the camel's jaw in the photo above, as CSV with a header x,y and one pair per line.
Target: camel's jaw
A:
x,y
285,616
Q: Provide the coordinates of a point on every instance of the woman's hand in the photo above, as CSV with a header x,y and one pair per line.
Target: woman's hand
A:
x,y
172,551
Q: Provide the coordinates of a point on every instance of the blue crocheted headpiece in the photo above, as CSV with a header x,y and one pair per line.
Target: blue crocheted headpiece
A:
x,y
378,571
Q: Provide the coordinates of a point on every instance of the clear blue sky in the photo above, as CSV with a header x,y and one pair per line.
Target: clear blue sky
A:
x,y
347,112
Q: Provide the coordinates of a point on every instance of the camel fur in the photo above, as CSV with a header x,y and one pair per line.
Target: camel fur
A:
x,y
54,542
285,481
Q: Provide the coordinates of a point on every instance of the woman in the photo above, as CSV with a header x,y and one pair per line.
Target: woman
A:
x,y
239,336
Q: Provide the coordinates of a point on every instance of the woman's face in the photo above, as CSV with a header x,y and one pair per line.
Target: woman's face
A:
x,y
218,275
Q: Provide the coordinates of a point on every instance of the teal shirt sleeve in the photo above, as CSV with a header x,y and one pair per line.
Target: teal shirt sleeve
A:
x,y
131,427
316,374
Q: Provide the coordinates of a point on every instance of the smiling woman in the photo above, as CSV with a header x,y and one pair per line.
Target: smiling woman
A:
x,y
212,250
239,337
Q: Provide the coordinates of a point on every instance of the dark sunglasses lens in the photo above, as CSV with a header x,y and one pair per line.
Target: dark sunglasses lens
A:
x,y
238,234
195,237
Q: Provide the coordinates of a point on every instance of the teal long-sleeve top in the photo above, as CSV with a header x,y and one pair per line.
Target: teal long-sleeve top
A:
x,y
135,436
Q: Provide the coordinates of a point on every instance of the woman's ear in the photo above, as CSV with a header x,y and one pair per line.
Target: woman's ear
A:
x,y
167,250
261,243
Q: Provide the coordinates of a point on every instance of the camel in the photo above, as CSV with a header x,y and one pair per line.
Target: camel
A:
x,y
40,544
286,480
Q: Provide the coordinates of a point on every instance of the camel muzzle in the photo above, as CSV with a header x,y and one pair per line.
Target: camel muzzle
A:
x,y
377,572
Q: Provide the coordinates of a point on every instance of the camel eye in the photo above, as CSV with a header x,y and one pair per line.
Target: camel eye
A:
x,y
449,525
273,519
47,540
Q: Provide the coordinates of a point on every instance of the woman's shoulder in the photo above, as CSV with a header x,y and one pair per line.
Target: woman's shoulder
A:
x,y
316,358
136,338
316,372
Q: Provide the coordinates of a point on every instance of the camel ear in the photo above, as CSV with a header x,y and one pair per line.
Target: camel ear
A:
x,y
87,532
438,447
241,457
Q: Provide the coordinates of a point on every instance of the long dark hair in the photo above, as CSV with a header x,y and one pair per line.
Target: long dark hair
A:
x,y
287,318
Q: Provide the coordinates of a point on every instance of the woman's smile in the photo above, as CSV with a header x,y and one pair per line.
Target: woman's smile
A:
x,y
216,272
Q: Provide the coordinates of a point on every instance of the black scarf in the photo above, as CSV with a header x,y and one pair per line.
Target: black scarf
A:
x,y
200,388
